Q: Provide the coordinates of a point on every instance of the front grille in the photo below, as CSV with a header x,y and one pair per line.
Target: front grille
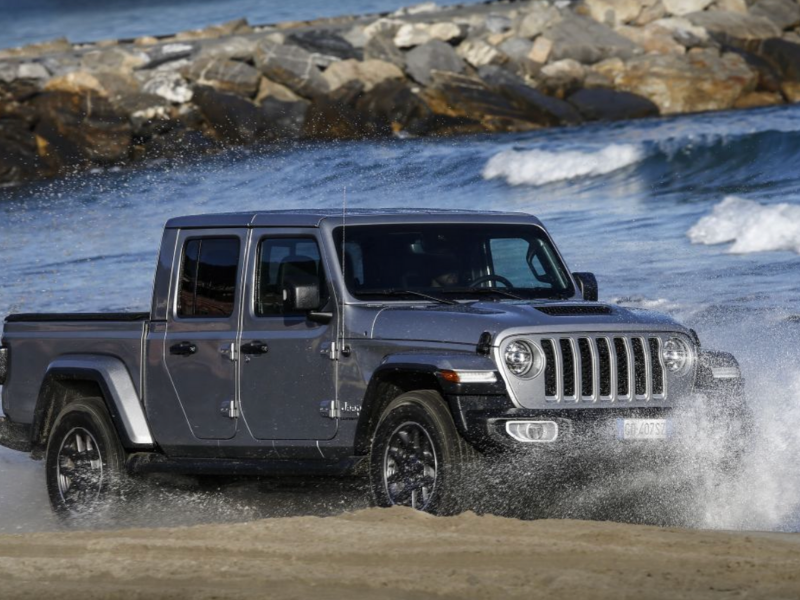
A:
x,y
619,368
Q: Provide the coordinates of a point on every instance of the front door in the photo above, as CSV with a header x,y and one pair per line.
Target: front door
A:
x,y
286,367
200,342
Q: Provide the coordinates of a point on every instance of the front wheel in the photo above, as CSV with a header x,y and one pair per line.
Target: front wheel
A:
x,y
417,457
85,462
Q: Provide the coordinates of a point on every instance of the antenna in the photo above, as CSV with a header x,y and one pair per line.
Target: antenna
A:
x,y
344,265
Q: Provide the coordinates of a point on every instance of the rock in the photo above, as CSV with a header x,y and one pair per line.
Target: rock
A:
x,y
369,72
495,39
783,13
784,56
12,71
468,104
163,54
19,159
291,66
587,41
356,37
114,59
381,47
769,78
651,13
739,6
56,46
690,83
684,7
324,42
478,53
611,105
334,116
540,52
177,142
434,55
653,38
683,31
232,118
145,40
792,37
561,77
416,9
517,49
167,84
225,75
80,128
383,26
61,64
108,84
392,107
610,68
498,23
416,34
731,27
229,48
791,90
283,120
531,24
614,12
148,114
270,89
758,99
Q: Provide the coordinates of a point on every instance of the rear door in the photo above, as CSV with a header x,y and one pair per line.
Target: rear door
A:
x,y
200,342
287,372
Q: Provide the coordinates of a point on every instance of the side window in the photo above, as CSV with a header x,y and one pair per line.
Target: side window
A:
x,y
282,261
510,259
208,277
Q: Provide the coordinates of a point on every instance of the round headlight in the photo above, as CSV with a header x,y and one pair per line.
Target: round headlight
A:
x,y
524,359
676,354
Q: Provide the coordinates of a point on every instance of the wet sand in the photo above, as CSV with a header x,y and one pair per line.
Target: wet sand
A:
x,y
399,553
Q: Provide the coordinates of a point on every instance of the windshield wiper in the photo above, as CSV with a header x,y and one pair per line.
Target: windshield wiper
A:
x,y
483,290
398,292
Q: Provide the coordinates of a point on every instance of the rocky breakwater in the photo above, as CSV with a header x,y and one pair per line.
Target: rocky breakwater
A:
x,y
425,70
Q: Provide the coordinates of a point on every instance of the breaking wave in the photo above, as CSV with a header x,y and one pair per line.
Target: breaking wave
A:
x,y
752,227
537,167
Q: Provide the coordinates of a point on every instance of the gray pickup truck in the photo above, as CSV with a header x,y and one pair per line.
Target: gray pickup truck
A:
x,y
402,345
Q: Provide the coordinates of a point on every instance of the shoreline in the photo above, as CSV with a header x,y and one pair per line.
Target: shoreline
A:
x,y
504,66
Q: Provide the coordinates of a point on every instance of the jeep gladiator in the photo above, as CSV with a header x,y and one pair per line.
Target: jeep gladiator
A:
x,y
403,345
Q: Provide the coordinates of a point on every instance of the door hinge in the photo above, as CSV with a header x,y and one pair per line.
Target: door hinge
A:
x,y
339,410
230,409
334,350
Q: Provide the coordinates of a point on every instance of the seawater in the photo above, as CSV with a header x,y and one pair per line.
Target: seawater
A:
x,y
696,216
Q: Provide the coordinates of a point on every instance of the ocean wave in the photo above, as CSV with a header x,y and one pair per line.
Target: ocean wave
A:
x,y
752,227
538,167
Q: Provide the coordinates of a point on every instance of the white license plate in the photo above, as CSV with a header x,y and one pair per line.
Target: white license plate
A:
x,y
643,429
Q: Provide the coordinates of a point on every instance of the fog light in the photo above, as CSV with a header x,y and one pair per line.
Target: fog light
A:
x,y
533,431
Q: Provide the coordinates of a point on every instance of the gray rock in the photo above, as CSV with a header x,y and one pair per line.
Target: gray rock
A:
x,y
611,105
684,7
13,70
516,49
587,41
784,55
148,114
167,84
291,66
392,107
163,54
381,47
225,75
283,120
232,118
531,24
435,55
324,42
733,27
61,64
114,58
498,23
784,13
230,48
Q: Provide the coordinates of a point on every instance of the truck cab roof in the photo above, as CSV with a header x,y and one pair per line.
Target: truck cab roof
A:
x,y
315,217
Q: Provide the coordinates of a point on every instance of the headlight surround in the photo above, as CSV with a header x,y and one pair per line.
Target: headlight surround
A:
x,y
524,359
677,355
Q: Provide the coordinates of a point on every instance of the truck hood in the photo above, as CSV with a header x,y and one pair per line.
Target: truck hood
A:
x,y
464,323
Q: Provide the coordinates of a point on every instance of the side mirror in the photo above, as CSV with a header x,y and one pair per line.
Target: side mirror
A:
x,y
301,297
587,283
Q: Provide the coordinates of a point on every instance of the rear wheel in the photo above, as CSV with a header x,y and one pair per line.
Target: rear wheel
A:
x,y
85,462
417,458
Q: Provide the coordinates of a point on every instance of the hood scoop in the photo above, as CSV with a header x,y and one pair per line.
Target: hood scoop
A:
x,y
574,310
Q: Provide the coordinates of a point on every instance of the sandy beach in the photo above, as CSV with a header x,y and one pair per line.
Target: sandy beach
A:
x,y
399,553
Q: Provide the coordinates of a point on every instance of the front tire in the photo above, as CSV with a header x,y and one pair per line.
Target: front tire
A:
x,y
417,457
85,463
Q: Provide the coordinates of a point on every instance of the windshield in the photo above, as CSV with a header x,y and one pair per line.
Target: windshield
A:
x,y
451,262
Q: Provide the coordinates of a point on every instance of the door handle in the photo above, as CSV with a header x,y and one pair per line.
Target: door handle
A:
x,y
183,348
255,347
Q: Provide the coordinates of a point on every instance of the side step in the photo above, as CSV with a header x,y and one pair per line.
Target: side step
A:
x,y
148,462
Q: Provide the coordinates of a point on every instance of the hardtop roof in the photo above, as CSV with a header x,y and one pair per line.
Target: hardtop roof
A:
x,y
314,217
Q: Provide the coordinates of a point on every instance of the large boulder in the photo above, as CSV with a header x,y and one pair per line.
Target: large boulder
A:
x,y
684,7
391,107
784,13
291,66
282,120
19,159
416,34
733,27
169,85
169,53
587,41
334,116
229,48
79,128
784,56
694,82
432,56
225,75
533,23
382,47
614,12
270,89
611,105
148,114
369,72
324,42
233,119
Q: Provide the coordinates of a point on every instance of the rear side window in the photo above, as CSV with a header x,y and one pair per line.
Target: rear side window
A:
x,y
282,261
208,277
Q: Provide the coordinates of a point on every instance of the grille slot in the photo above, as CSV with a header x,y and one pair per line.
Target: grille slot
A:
x,y
614,369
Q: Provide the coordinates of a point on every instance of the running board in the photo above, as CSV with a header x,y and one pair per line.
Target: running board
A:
x,y
148,462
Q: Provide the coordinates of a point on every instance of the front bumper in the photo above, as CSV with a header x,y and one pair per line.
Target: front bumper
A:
x,y
15,436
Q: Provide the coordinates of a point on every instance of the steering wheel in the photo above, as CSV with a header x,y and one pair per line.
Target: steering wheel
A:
x,y
486,278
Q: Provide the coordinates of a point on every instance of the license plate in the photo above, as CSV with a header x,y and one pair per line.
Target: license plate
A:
x,y
643,429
